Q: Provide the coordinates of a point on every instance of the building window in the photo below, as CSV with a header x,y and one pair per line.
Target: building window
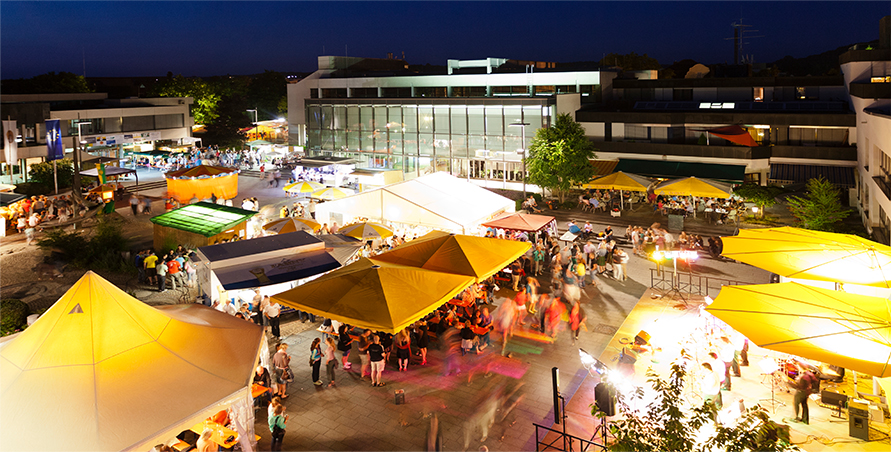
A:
x,y
566,89
758,94
363,93
137,123
591,93
886,166
510,91
469,91
752,178
168,121
431,91
636,132
334,93
545,90
396,92
313,93
682,94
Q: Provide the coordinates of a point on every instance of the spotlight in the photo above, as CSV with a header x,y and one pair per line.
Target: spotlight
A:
x,y
594,365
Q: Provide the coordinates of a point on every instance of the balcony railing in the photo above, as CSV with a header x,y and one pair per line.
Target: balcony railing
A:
x,y
883,185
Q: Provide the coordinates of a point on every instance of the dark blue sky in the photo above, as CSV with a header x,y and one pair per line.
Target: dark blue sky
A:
x,y
228,37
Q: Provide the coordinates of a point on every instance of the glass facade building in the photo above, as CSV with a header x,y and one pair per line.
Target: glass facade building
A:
x,y
468,137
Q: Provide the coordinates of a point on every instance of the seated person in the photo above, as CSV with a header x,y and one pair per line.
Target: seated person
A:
x,y
573,228
262,378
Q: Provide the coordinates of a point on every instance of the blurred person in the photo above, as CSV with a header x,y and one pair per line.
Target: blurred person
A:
x,y
330,359
204,443
315,360
403,350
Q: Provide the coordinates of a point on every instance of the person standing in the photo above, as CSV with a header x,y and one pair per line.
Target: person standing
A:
x,y
725,353
311,208
711,386
161,270
538,259
257,312
345,345
282,363
174,273
806,384
134,203
271,313
577,318
330,359
140,268
620,266
364,343
277,424
149,263
376,356
403,350
315,360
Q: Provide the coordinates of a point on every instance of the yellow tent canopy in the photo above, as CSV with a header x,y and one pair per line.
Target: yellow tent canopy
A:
x,y
479,257
291,224
848,330
101,370
693,186
806,254
619,181
379,296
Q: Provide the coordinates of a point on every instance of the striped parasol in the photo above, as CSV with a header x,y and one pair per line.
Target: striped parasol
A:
x,y
303,186
332,193
366,231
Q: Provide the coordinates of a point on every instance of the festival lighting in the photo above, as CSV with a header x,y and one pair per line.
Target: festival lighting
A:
x,y
685,255
594,365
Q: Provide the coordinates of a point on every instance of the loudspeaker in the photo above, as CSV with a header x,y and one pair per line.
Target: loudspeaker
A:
x,y
642,338
858,426
605,399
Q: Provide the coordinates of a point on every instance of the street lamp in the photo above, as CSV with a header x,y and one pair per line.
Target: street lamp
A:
x,y
522,152
75,184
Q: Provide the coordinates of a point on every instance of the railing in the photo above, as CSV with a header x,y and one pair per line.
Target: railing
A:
x,y
689,283
561,441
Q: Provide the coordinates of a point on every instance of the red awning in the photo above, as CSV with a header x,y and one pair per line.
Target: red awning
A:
x,y
735,134
520,222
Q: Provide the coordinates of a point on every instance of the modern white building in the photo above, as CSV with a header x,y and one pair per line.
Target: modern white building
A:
x,y
459,120
867,75
110,127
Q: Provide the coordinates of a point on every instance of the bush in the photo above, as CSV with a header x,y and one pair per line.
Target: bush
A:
x,y
102,251
537,198
42,173
13,316
32,189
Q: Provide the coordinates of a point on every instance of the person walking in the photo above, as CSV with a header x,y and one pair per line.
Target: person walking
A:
x,y
577,318
311,208
620,264
282,363
271,313
134,203
330,359
315,360
376,356
277,424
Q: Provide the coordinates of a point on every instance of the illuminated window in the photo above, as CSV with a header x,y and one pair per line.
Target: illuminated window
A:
x,y
758,94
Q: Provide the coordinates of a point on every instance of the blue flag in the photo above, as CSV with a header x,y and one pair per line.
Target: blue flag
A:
x,y
54,148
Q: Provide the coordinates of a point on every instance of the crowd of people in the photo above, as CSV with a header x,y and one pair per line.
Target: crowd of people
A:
x,y
174,267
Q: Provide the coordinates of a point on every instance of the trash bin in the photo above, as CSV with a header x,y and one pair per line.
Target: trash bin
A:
x,y
400,397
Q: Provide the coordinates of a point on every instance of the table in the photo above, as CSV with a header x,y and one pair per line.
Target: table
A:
x,y
480,330
220,433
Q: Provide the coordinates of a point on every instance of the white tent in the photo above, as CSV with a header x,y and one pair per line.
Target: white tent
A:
x,y
439,201
101,371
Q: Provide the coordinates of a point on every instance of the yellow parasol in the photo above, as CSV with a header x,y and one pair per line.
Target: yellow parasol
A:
x,y
286,225
332,193
303,186
806,254
379,296
693,186
848,330
478,257
619,181
366,231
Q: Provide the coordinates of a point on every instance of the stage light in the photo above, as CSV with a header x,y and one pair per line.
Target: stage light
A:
x,y
708,300
594,365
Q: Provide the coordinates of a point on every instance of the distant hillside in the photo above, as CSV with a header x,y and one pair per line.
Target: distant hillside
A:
x,y
825,63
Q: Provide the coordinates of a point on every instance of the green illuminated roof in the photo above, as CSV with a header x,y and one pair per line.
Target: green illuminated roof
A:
x,y
203,218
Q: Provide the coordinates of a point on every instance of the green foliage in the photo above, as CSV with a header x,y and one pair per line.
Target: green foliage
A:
x,y
225,130
666,424
265,92
13,316
559,157
630,61
32,189
42,173
283,107
206,96
761,195
49,83
821,209
101,251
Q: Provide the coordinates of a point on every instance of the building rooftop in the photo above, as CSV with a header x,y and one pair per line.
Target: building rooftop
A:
x,y
203,218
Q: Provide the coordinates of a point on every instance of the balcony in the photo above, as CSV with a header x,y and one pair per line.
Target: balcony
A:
x,y
871,90
883,185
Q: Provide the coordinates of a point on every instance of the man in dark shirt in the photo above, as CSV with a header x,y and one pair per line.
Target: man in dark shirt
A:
x,y
376,355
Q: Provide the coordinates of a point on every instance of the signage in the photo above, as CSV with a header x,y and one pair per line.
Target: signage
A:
x,y
54,148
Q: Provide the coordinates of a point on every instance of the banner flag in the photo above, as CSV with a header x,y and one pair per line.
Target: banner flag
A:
x,y
54,148
100,171
10,147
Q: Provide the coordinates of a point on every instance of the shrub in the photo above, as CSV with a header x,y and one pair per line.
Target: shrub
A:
x,y
102,251
32,189
13,316
42,173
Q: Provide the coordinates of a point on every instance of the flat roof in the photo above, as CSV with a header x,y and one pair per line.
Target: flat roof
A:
x,y
203,218
258,245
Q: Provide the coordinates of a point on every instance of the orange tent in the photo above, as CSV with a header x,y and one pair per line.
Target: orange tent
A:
x,y
520,222
202,181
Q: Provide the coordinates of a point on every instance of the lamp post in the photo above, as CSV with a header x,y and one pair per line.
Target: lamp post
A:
x,y
256,120
522,152
75,184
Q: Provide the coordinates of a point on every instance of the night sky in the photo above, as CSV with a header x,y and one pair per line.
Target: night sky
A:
x,y
229,37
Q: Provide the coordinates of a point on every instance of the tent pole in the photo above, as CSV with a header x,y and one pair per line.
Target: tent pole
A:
x,y
622,198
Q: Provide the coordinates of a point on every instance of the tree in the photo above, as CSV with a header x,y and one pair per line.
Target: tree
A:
x,y
49,83
665,424
762,196
821,208
265,91
559,157
42,173
205,95
232,117
630,62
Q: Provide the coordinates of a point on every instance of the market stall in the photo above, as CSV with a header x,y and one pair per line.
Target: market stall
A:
x,y
230,271
202,182
103,371
439,201
370,178
525,222
199,224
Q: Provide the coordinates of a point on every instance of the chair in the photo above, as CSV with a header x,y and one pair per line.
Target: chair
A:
x,y
731,217
583,203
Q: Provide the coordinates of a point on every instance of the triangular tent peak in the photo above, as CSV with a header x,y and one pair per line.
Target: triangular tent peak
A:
x,y
76,310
